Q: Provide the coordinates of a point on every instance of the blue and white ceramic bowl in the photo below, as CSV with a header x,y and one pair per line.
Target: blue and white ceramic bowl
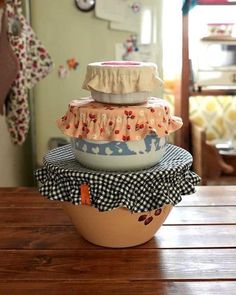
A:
x,y
120,155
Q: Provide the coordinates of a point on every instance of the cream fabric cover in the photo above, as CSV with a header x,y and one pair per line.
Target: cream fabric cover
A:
x,y
121,77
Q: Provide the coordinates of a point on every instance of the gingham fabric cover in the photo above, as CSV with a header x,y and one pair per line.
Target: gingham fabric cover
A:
x,y
139,191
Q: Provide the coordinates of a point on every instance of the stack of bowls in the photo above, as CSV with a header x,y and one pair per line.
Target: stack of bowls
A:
x,y
121,128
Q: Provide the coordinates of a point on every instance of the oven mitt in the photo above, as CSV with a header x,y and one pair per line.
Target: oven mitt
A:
x,y
8,64
39,64
18,114
35,64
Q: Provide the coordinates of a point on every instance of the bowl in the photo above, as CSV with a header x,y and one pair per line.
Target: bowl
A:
x,y
120,155
220,29
117,228
125,98
121,82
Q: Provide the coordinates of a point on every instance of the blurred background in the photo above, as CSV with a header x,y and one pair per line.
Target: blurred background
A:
x,y
145,30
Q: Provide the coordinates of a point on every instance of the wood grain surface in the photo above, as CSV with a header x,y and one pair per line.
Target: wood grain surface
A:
x,y
194,253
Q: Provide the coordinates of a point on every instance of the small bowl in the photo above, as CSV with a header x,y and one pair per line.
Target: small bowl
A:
x,y
117,228
120,155
125,98
220,29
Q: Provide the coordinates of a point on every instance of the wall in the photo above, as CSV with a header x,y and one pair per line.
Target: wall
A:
x,y
66,32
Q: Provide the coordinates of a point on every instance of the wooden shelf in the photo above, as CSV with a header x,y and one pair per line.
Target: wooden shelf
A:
x,y
213,92
219,38
202,2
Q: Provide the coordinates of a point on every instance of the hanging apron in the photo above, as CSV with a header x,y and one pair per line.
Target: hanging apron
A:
x,y
34,64
8,63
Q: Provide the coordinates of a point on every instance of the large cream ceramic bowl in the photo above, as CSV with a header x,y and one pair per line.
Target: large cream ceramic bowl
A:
x,y
120,155
116,228
125,98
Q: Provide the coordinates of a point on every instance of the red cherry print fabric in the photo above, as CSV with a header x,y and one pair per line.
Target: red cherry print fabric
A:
x,y
92,120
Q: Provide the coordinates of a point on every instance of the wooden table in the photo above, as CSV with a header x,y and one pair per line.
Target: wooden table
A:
x,y
193,253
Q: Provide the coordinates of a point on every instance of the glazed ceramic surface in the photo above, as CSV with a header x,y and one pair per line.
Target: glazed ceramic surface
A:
x,y
116,228
126,98
120,155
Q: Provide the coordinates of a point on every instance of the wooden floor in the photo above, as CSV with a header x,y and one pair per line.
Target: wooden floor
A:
x,y
193,253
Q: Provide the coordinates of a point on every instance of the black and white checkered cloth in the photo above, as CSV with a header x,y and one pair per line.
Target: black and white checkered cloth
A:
x,y
139,191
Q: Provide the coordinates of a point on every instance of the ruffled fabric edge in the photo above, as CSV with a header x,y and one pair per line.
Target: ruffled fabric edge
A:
x,y
58,185
121,80
98,124
95,133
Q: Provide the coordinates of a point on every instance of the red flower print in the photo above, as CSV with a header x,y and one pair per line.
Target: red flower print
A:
x,y
101,130
142,217
128,127
85,128
148,220
139,126
109,107
32,42
117,131
68,126
77,125
42,50
110,123
19,111
157,212
129,114
93,118
126,138
152,110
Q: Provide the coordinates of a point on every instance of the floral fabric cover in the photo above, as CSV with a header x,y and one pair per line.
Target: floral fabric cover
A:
x,y
92,120
9,66
34,64
118,77
140,191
